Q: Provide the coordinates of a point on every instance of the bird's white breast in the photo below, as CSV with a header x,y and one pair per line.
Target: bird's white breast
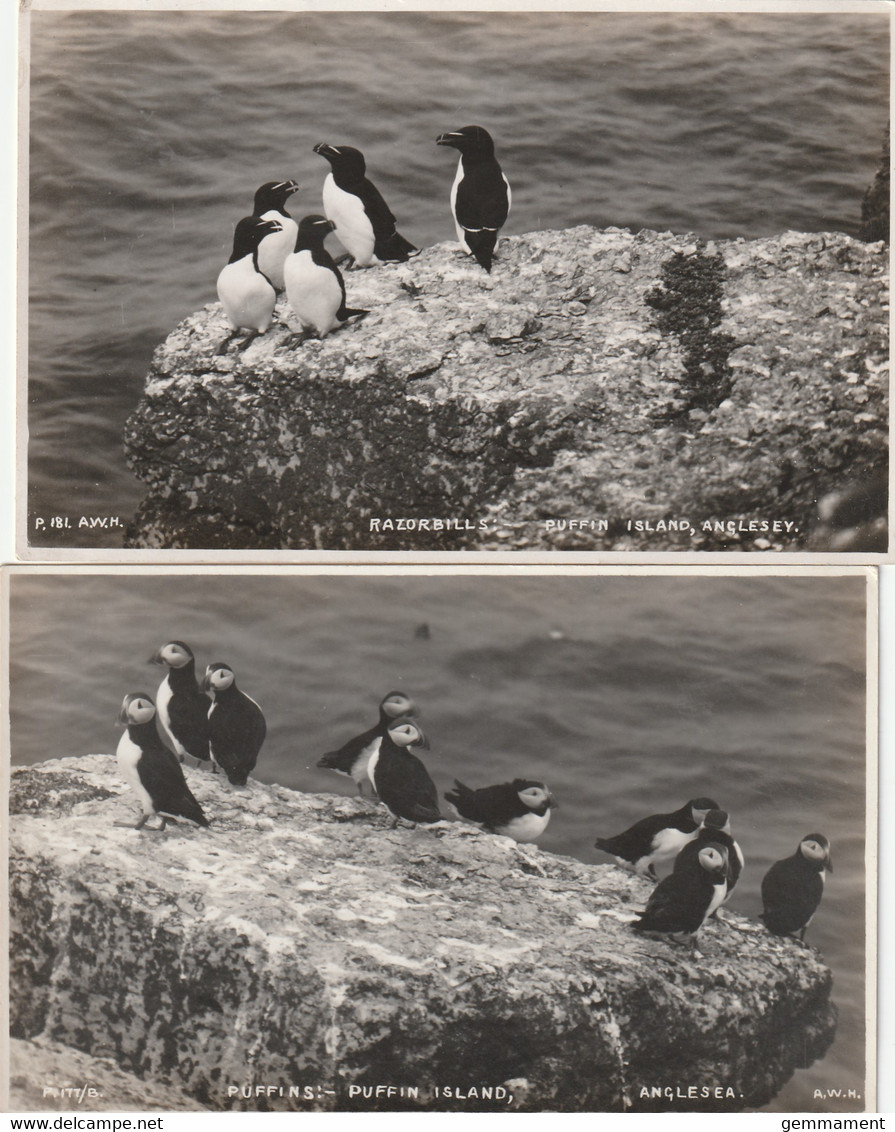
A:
x,y
669,842
274,248
527,828
128,755
313,292
360,770
353,228
458,177
162,699
246,296
373,761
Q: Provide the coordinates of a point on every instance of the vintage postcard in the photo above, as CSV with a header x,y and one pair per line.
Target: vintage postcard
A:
x,y
445,841
349,282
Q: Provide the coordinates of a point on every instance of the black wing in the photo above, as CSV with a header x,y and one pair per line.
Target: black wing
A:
x,y
188,715
345,757
238,730
168,789
482,199
403,783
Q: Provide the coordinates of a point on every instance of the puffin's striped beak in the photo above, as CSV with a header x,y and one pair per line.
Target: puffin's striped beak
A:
x,y
122,714
156,658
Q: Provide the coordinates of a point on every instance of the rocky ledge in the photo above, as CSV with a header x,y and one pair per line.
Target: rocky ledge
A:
x,y
600,390
301,952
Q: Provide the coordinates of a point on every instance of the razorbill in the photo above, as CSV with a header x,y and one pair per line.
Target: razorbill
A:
x,y
480,195
399,777
270,204
236,726
352,758
246,294
519,809
681,903
182,708
658,838
363,220
314,286
150,769
792,888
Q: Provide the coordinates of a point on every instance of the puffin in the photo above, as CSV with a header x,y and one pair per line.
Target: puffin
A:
x,y
658,838
150,769
519,809
792,888
480,195
716,827
182,708
270,204
352,758
314,286
246,294
682,901
236,726
364,222
399,777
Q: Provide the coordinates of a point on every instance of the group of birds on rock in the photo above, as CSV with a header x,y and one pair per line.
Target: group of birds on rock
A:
x,y
217,723
707,865
271,253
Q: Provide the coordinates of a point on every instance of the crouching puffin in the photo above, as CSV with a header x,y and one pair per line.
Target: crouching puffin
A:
x,y
400,778
658,838
792,888
364,222
236,726
681,903
182,708
519,809
352,758
150,769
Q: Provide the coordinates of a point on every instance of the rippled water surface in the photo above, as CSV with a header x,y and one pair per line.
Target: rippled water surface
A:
x,y
150,133
626,695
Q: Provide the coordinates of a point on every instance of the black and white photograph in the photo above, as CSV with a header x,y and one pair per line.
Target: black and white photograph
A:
x,y
442,281
452,840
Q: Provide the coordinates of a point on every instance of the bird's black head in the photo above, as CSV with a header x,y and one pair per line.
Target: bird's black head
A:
x,y
250,231
472,141
312,231
347,163
816,849
716,819
273,195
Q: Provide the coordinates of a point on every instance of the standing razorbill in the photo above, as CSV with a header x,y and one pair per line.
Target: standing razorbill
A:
x,y
352,758
314,286
150,769
270,204
681,903
182,708
246,294
399,777
363,220
792,888
480,196
658,838
519,809
236,726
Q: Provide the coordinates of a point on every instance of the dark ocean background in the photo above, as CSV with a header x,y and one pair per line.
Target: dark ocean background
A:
x,y
628,695
151,131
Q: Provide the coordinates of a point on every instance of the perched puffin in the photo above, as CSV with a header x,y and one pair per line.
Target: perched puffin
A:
x,y
399,777
353,757
659,838
480,196
150,769
246,294
363,220
716,828
314,285
270,204
182,708
792,888
681,903
236,726
519,809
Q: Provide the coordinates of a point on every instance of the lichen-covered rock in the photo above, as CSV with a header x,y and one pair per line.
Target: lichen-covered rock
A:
x,y
303,943
599,390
